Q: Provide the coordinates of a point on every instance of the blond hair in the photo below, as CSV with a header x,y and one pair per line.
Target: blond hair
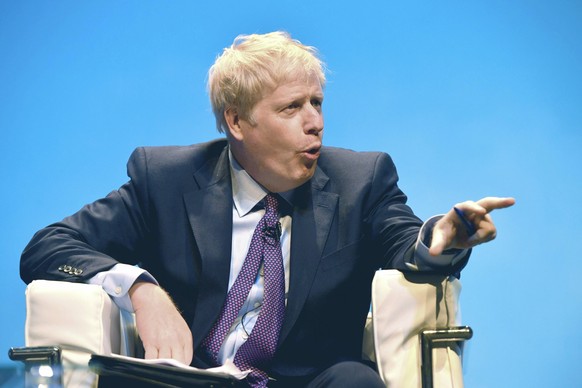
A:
x,y
255,65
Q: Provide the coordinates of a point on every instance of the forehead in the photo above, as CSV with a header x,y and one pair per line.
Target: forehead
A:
x,y
294,88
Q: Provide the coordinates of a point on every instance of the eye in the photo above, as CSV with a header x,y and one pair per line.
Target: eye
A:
x,y
316,103
292,106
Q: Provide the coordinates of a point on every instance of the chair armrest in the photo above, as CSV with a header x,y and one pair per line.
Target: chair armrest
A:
x,y
403,306
81,320
72,315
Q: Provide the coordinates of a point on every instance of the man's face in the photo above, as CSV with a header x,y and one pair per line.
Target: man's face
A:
x,y
280,145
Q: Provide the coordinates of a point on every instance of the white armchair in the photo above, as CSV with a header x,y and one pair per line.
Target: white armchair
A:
x,y
412,332
65,324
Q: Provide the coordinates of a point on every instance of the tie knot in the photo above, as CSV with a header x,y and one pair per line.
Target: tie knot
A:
x,y
271,203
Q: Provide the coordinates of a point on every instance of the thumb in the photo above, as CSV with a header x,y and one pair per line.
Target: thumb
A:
x,y
438,242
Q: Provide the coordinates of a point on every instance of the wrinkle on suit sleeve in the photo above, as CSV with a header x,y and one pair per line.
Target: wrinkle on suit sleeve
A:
x,y
393,226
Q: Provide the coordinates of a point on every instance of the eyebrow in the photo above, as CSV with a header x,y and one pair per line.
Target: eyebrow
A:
x,y
300,97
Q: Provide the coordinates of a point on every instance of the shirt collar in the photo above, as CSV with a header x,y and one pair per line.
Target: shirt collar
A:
x,y
246,192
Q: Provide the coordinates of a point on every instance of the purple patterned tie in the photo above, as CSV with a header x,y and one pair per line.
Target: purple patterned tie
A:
x,y
259,348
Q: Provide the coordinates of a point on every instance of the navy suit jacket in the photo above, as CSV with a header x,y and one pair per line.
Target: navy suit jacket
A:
x,y
174,218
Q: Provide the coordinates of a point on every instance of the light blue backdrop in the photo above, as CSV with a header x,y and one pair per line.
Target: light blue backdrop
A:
x,y
470,98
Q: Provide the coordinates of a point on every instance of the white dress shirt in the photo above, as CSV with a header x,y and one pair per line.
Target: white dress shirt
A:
x,y
247,193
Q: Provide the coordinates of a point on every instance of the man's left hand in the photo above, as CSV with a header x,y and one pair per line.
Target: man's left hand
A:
x,y
450,232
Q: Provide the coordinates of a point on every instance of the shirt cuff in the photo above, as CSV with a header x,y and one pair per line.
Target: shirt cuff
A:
x,y
118,280
422,260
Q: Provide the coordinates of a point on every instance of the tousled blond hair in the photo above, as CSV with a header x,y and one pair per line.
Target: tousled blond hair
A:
x,y
255,65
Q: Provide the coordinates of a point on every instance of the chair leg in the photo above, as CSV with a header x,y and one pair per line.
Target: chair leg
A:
x,y
42,365
131,344
430,339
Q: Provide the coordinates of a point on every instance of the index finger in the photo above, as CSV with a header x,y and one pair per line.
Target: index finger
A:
x,y
492,203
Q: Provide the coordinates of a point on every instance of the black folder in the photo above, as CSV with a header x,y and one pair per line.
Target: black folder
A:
x,y
115,368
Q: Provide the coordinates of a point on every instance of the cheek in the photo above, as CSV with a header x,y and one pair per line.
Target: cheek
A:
x,y
278,144
281,148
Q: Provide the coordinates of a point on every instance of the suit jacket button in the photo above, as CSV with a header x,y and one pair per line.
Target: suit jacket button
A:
x,y
78,271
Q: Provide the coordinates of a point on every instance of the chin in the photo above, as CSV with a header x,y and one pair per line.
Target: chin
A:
x,y
290,184
304,177
297,178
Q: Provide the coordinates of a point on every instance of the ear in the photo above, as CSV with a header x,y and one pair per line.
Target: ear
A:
x,y
232,119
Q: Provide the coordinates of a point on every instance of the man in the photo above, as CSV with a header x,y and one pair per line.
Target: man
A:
x,y
305,225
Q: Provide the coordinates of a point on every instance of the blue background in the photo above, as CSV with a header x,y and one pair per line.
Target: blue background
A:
x,y
470,98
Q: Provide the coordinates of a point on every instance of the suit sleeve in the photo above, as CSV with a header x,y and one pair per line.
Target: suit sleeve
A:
x,y
394,227
112,230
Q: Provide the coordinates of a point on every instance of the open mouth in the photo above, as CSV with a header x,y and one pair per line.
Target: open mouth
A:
x,y
312,153
314,149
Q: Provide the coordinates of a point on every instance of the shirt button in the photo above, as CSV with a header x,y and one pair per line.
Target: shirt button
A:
x,y
257,305
118,290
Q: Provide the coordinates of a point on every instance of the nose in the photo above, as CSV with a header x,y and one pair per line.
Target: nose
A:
x,y
313,120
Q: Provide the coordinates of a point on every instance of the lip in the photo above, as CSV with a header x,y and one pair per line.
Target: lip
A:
x,y
312,152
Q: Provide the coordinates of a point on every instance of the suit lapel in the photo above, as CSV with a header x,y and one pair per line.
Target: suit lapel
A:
x,y
313,213
210,214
